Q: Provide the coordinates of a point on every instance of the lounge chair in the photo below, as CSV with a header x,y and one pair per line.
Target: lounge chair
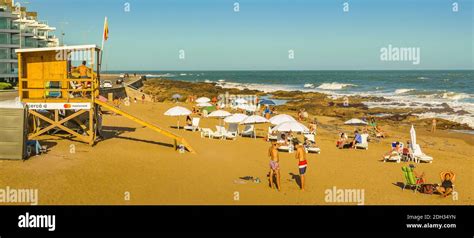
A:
x,y
232,131
364,145
248,131
206,132
394,157
410,179
194,124
270,135
420,156
312,148
219,133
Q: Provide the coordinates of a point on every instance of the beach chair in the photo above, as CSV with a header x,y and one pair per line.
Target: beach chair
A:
x,y
219,133
232,131
420,156
365,144
206,132
194,124
270,135
284,148
394,156
248,131
410,180
312,148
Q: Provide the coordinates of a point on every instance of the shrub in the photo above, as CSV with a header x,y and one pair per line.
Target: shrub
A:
x,y
4,86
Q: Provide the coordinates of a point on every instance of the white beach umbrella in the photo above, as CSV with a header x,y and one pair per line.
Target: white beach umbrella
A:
x,y
278,119
413,136
235,118
355,122
254,119
177,112
291,126
204,104
203,100
247,107
219,113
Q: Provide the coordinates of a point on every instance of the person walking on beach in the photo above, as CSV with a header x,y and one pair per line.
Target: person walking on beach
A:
x,y
143,98
300,155
433,125
274,165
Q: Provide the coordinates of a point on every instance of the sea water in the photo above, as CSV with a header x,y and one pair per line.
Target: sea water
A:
x,y
435,89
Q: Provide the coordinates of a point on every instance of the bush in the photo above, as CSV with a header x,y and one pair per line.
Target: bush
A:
x,y
4,86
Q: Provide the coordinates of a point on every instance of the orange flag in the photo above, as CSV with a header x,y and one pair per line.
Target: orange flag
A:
x,y
106,29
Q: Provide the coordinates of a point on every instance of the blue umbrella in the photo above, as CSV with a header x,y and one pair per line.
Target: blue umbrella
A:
x,y
266,102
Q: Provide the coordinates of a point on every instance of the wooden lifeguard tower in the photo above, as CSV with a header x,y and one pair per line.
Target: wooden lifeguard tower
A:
x,y
59,98
55,94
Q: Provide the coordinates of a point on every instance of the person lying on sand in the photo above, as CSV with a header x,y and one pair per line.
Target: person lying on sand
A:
x,y
300,155
447,180
189,121
274,165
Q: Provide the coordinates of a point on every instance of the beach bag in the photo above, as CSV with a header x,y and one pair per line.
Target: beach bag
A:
x,y
427,188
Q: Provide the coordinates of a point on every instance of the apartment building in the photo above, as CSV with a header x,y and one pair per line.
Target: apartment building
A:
x,y
20,29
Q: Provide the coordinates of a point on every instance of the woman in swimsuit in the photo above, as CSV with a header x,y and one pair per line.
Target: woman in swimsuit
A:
x,y
447,179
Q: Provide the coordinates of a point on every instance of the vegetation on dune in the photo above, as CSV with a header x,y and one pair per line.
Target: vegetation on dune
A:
x,y
5,86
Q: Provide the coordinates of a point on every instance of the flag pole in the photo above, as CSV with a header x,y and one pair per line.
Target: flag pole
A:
x,y
103,41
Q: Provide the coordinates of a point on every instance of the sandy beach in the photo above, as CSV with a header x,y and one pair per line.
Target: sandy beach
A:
x,y
136,161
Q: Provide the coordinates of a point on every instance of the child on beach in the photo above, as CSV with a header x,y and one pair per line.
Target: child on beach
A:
x,y
274,165
300,155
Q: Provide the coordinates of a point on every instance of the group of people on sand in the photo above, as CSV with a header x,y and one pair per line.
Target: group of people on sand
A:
x,y
344,142
445,188
300,156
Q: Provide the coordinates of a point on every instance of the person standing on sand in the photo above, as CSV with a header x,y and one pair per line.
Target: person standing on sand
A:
x,y
143,98
300,155
274,165
433,125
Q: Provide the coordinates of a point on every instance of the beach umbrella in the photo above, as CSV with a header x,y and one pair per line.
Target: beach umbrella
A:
x,y
266,102
355,122
413,136
254,119
219,114
291,126
235,118
203,100
247,107
204,104
177,112
278,119
176,96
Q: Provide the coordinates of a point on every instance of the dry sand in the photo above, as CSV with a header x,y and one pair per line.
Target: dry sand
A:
x,y
141,162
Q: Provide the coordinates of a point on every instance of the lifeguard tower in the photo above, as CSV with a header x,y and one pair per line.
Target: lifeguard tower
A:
x,y
62,96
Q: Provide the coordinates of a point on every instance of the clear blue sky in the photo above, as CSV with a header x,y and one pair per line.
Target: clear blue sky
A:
x,y
258,37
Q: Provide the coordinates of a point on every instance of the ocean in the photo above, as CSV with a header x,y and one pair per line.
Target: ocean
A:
x,y
427,89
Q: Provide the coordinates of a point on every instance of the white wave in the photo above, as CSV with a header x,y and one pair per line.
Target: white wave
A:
x,y
167,75
423,78
462,119
455,96
183,74
208,81
403,90
335,86
308,85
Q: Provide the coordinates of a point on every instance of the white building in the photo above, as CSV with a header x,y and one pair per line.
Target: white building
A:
x,y
20,29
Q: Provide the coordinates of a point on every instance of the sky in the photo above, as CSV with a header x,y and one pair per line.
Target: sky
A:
x,y
263,33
